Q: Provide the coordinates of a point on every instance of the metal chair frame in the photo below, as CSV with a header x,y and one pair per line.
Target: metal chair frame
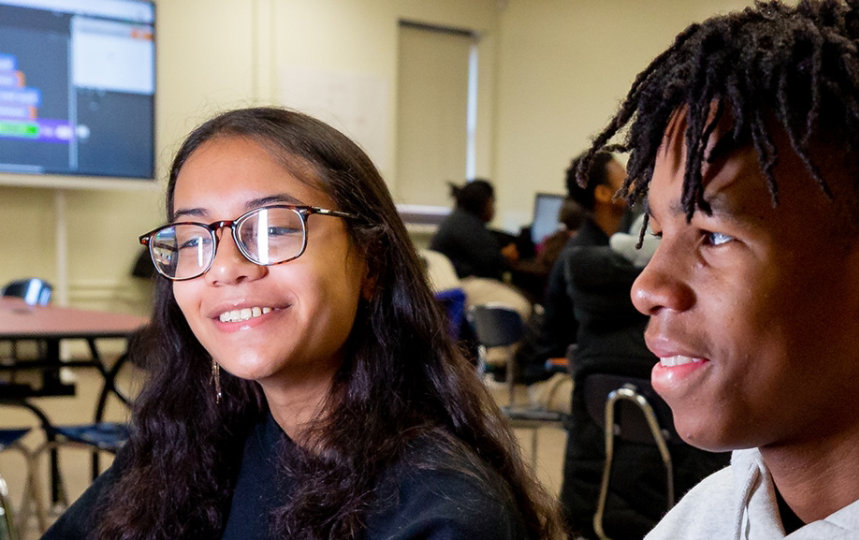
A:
x,y
497,325
32,492
629,392
98,436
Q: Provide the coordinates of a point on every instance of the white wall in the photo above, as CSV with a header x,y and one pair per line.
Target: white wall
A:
x,y
563,68
551,74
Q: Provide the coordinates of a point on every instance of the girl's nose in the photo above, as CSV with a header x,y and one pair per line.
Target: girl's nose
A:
x,y
230,266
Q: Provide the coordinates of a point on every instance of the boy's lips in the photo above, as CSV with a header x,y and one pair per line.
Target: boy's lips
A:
x,y
672,353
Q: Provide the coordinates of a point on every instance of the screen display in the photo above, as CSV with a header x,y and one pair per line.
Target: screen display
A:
x,y
547,206
77,87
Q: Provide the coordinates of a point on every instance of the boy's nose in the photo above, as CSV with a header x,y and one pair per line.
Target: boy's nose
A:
x,y
662,285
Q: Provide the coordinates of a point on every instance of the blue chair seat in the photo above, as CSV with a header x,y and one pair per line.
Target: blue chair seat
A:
x,y
10,436
107,436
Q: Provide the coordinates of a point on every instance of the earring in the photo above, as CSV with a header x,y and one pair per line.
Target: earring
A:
x,y
216,380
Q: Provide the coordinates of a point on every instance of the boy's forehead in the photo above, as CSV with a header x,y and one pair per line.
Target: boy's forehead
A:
x,y
672,151
716,171
675,135
735,186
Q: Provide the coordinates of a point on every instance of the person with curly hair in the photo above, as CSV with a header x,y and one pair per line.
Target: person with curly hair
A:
x,y
742,141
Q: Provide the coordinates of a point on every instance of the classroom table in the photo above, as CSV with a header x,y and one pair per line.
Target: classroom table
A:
x,y
51,325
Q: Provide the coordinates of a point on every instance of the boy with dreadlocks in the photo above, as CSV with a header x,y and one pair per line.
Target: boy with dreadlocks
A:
x,y
743,141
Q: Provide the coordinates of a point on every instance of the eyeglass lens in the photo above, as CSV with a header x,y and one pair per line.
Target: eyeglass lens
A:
x,y
265,236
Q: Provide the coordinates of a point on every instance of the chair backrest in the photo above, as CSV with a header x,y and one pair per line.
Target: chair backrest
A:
x,y
630,422
495,325
440,272
34,291
453,302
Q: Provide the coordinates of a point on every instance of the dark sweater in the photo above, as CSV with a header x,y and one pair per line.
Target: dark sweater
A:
x,y
451,501
559,324
470,246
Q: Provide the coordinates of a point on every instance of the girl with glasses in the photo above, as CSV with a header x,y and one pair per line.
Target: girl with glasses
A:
x,y
302,384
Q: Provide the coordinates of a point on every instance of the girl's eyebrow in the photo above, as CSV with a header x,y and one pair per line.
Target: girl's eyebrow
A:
x,y
280,198
187,212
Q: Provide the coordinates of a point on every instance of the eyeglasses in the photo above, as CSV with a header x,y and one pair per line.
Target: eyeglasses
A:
x,y
265,236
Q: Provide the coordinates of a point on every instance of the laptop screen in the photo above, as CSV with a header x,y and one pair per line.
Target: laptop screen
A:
x,y
547,206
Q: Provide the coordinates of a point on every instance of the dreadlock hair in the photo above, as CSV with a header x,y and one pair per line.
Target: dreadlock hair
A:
x,y
768,66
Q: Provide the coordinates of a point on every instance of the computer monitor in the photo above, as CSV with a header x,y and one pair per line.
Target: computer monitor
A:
x,y
77,89
547,206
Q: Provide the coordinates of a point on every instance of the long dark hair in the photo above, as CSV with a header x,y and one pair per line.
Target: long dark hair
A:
x,y
773,66
402,379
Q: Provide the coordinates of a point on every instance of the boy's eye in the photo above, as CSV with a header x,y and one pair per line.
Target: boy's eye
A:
x,y
717,238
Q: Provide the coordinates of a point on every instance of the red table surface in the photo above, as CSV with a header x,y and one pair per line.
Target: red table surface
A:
x,y
20,321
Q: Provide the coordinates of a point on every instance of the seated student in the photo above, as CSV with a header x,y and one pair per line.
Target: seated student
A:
x,y
478,257
550,333
302,384
604,215
744,142
610,340
464,238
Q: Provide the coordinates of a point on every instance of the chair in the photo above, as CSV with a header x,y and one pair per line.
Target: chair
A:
x,y
97,436
35,292
499,326
453,302
629,409
10,439
445,287
439,270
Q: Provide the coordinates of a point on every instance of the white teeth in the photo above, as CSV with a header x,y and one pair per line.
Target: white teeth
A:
x,y
679,360
239,315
